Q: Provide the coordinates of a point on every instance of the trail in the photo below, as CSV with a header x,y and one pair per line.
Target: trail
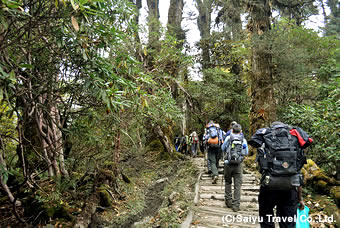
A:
x,y
210,210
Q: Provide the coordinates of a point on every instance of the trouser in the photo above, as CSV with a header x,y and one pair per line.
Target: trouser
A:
x,y
177,147
233,172
194,149
286,203
213,160
184,149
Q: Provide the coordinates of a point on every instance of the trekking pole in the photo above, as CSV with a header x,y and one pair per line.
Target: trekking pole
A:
x,y
222,183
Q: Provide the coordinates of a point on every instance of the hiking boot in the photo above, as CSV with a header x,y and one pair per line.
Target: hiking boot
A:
x,y
236,209
214,179
228,203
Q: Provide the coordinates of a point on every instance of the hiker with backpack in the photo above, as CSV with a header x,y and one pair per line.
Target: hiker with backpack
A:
x,y
280,157
177,142
234,149
194,143
184,144
213,140
230,128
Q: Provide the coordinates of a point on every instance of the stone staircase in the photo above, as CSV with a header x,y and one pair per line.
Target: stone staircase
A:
x,y
210,210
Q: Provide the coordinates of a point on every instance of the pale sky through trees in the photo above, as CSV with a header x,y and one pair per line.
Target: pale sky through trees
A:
x,y
189,24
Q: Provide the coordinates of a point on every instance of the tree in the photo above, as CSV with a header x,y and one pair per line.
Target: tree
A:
x,y
204,8
263,106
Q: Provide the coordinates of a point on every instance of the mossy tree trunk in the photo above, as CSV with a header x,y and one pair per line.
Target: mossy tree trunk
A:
x,y
263,105
205,8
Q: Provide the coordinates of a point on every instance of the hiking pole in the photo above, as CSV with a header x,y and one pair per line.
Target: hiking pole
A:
x,y
222,183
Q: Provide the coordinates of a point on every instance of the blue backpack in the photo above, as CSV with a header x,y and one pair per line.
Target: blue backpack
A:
x,y
213,140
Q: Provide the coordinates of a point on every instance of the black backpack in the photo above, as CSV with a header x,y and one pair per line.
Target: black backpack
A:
x,y
234,151
281,159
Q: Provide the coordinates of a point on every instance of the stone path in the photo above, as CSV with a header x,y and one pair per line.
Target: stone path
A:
x,y
210,211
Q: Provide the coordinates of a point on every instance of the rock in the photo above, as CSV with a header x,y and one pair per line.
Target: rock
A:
x,y
335,194
321,186
173,197
104,196
312,173
161,180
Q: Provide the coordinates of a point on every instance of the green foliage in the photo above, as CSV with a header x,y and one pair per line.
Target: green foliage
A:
x,y
218,95
322,121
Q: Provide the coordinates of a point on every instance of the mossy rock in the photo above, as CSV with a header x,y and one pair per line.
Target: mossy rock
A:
x,y
105,174
321,186
312,172
335,194
59,212
332,210
155,145
105,199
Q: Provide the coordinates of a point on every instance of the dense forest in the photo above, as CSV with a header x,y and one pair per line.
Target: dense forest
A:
x,y
93,93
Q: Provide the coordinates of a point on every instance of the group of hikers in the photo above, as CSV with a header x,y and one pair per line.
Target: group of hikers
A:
x,y
188,145
280,157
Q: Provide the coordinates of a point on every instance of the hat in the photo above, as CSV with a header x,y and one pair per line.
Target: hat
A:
x,y
237,128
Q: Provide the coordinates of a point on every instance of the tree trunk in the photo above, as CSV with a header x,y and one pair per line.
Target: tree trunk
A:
x,y
164,139
263,106
204,8
236,23
139,52
153,23
175,19
174,28
3,171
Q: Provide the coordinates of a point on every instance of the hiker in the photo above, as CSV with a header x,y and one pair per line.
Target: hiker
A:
x,y
201,144
230,128
177,142
205,150
194,143
213,141
219,154
280,157
234,149
184,144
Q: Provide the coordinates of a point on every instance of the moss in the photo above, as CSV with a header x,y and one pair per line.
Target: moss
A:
x,y
155,145
104,196
312,172
105,174
332,210
321,186
335,194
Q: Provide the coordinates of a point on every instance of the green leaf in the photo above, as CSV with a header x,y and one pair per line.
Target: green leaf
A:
x,y
28,66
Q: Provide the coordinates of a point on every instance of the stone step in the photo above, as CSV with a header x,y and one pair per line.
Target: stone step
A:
x,y
220,196
210,210
245,206
226,211
208,182
218,220
216,188
243,193
244,176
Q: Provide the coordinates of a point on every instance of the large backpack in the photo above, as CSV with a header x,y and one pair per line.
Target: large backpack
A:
x,y
213,140
195,138
281,159
234,151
